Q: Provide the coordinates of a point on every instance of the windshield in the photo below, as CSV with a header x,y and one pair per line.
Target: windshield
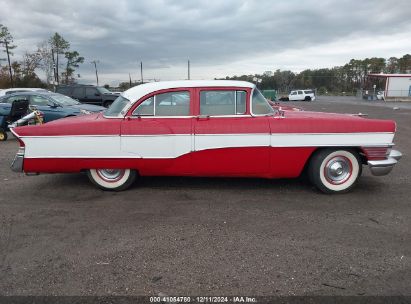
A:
x,y
63,100
116,107
103,90
260,105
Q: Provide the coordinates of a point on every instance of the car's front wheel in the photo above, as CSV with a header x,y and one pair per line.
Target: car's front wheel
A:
x,y
112,179
3,134
334,171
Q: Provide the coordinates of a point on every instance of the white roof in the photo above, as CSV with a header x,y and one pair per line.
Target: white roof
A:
x,y
135,93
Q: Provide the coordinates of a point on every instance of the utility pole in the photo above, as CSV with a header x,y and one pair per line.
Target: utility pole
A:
x,y
141,72
8,58
54,70
129,76
57,67
188,69
95,66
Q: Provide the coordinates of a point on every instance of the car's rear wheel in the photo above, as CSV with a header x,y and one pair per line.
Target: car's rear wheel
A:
x,y
335,171
112,179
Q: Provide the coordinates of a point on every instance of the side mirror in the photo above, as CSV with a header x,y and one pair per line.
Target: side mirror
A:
x,y
53,105
97,94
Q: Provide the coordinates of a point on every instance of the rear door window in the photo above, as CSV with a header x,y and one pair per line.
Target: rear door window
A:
x,y
222,102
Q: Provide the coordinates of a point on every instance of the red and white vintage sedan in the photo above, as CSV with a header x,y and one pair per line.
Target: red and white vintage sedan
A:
x,y
207,128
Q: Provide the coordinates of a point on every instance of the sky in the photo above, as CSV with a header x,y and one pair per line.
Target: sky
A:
x,y
220,38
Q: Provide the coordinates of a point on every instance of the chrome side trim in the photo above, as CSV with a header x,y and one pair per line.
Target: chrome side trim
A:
x,y
276,134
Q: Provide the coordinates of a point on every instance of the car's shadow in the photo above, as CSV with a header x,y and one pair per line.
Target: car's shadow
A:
x,y
178,182
76,183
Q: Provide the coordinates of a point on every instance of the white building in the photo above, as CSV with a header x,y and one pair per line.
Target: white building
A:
x,y
397,86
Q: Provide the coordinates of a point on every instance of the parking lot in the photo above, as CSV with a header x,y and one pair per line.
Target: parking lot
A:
x,y
59,235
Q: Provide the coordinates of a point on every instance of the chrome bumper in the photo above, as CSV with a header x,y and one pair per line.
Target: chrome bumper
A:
x,y
17,164
383,167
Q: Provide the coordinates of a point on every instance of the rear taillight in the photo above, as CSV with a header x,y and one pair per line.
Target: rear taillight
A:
x,y
21,151
376,153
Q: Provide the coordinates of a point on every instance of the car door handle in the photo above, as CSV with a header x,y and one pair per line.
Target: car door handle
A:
x,y
203,117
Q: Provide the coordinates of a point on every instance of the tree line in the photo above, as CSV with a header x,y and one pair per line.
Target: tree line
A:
x,y
340,79
53,56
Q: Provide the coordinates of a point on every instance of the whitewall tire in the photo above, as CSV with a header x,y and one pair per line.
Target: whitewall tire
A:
x,y
335,171
112,179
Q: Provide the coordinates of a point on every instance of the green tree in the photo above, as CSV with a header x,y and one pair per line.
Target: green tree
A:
x,y
6,39
404,64
73,61
392,65
59,46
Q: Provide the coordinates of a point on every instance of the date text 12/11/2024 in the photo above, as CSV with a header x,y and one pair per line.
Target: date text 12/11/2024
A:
x,y
205,299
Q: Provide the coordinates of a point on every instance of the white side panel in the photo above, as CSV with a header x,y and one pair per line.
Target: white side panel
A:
x,y
72,146
157,146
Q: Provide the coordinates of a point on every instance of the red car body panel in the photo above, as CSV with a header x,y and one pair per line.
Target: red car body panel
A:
x,y
245,145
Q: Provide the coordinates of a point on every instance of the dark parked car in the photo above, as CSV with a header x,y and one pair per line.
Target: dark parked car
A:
x,y
53,105
88,94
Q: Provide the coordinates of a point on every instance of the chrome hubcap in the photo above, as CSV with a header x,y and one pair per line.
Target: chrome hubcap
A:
x,y
111,175
338,170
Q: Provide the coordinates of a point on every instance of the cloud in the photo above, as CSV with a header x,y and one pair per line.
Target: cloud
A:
x,y
220,37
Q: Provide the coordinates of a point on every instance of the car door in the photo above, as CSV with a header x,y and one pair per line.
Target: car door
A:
x,y
228,140
293,95
78,93
157,133
300,95
92,96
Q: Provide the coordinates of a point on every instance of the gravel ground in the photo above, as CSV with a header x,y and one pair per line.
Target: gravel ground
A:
x,y
59,235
